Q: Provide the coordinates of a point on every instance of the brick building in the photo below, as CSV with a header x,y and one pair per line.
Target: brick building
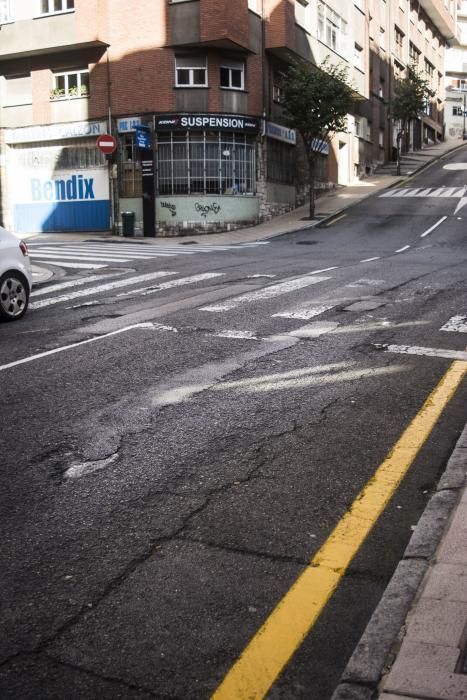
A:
x,y
197,82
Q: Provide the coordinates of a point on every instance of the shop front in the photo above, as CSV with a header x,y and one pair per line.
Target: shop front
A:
x,y
57,180
205,172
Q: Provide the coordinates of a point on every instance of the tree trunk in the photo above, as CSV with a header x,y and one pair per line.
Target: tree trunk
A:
x,y
398,143
311,182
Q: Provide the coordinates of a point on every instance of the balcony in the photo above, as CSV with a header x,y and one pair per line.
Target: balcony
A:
x,y
442,19
218,24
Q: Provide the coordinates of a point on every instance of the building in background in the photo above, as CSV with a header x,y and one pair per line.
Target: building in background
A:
x,y
456,80
200,79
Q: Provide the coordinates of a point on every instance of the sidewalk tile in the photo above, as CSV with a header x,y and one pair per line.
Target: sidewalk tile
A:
x,y
448,582
427,671
390,696
453,549
439,622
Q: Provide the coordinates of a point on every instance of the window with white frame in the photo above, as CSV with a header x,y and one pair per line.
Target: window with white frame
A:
x,y
358,56
332,28
6,11
457,111
70,84
191,71
232,75
51,7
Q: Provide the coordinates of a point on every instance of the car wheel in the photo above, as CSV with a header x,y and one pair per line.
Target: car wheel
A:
x,y
14,296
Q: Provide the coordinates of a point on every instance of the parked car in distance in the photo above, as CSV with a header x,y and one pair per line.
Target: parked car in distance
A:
x,y
15,276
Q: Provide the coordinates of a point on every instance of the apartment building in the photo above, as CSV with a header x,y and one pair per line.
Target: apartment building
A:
x,y
408,33
191,91
456,80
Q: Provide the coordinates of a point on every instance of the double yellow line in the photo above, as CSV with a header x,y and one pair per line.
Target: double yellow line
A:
x,y
273,645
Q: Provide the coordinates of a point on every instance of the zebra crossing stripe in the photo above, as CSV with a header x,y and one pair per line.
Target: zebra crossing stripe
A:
x,y
265,293
145,291
456,324
101,288
76,256
78,266
304,313
70,283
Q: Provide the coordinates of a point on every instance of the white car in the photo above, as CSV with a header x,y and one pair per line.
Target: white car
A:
x,y
15,276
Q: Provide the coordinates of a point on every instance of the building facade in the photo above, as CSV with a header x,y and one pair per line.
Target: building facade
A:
x,y
456,80
191,91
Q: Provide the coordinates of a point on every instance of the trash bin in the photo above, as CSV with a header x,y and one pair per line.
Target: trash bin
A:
x,y
128,223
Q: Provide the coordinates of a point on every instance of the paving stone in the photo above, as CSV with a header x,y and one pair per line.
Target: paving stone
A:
x,y
438,622
348,691
453,548
447,581
423,670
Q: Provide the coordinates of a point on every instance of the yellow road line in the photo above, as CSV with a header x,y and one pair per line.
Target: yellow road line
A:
x,y
286,628
333,221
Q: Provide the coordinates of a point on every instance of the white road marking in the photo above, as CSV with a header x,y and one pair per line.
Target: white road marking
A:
x,y
77,256
314,330
304,312
145,291
98,253
265,293
432,228
365,282
326,269
100,288
241,335
401,250
455,166
78,266
70,283
456,324
453,192
252,277
427,352
369,260
78,470
31,358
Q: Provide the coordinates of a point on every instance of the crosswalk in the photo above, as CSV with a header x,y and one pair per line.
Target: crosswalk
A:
x,y
87,291
407,192
97,255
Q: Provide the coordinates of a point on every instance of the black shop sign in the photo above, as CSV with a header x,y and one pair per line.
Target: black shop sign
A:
x,y
207,122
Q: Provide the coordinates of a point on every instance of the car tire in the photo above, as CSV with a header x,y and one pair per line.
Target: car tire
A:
x,y
14,296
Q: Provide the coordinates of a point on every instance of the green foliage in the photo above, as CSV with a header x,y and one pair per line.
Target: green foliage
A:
x,y
410,96
316,100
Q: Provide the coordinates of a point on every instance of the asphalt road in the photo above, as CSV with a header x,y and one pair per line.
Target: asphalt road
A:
x,y
165,484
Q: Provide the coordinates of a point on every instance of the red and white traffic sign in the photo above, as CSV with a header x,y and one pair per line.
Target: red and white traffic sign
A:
x,y
106,143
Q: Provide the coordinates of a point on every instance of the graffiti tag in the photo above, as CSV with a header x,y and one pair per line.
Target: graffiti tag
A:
x,y
204,209
171,207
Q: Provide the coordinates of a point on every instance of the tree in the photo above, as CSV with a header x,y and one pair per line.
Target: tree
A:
x,y
411,94
316,100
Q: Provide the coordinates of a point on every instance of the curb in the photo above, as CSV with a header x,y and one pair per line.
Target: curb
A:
x,y
378,646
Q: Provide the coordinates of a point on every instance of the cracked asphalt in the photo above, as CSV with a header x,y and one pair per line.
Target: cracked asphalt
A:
x,y
163,489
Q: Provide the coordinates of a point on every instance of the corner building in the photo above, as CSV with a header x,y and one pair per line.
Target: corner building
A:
x,y
200,79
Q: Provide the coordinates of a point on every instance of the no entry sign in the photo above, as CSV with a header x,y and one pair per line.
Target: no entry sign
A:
x,y
106,143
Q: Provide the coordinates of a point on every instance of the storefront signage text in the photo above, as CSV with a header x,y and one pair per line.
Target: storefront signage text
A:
x,y
280,133
71,189
55,132
128,124
221,122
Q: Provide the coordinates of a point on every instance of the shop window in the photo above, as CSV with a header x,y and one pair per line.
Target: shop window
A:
x,y
6,11
206,163
130,180
51,7
232,75
191,71
70,84
281,162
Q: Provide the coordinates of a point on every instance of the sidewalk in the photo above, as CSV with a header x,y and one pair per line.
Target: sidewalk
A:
x,y
416,641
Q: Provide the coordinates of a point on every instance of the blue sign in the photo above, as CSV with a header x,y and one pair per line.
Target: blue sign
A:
x,y
143,137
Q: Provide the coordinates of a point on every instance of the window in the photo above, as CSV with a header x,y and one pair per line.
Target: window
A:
x,y
457,111
382,39
332,29
459,83
232,75
206,162
280,162
51,7
277,93
70,84
6,14
130,180
399,38
358,56
191,71
18,90
358,126
414,53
